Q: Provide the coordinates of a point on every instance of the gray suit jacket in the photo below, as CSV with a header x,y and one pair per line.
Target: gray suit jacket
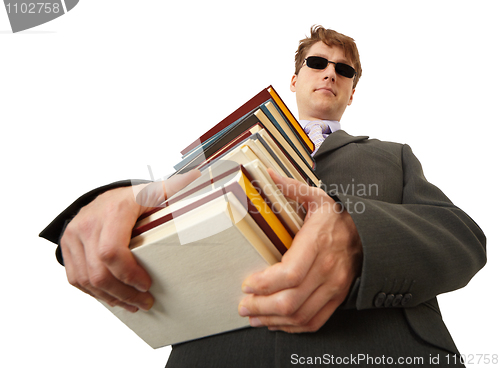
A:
x,y
416,245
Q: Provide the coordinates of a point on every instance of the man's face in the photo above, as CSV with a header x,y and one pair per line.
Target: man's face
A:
x,y
322,94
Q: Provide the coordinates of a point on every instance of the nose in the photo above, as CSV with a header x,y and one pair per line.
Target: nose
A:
x,y
330,72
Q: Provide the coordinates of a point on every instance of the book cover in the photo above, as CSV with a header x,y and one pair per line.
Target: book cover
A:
x,y
197,264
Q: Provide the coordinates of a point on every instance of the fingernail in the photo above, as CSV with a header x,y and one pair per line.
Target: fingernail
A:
x,y
147,304
244,312
130,308
247,289
255,322
142,288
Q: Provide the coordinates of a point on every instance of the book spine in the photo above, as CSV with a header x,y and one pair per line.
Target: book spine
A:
x,y
260,189
292,161
293,122
242,138
245,124
254,212
265,210
273,120
248,197
241,111
261,140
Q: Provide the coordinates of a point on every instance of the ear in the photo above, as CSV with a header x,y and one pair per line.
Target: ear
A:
x,y
352,95
293,82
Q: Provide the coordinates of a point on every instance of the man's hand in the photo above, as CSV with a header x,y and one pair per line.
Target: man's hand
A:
x,y
302,291
95,244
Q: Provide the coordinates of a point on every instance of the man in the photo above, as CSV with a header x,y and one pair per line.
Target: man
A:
x,y
358,285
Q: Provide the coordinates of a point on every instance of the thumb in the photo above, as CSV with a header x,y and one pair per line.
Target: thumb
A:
x,y
154,194
177,182
294,189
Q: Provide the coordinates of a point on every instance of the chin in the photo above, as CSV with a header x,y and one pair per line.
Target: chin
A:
x,y
326,113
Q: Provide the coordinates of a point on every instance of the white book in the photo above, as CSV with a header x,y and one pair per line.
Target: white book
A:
x,y
198,262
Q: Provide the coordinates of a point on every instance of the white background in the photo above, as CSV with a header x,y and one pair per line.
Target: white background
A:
x,y
113,86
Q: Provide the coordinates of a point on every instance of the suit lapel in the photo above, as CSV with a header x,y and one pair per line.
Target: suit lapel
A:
x,y
336,140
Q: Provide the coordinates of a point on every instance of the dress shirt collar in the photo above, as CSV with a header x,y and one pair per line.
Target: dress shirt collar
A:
x,y
333,124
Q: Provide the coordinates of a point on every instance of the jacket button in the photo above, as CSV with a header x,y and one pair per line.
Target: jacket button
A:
x,y
379,300
406,299
397,300
388,300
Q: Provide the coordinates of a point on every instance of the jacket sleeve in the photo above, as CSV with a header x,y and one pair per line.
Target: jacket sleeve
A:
x,y
54,231
415,250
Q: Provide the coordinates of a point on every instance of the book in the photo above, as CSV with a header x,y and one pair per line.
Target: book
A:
x,y
254,120
263,96
197,264
255,139
277,118
282,156
292,156
232,221
200,247
278,115
288,212
216,181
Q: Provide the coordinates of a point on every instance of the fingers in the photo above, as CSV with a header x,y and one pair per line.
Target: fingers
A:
x,y
298,260
289,288
284,302
310,197
325,281
312,325
300,293
95,244
288,273
116,280
97,258
113,252
302,309
154,194
77,273
178,182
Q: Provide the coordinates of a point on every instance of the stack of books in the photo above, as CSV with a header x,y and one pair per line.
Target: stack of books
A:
x,y
229,223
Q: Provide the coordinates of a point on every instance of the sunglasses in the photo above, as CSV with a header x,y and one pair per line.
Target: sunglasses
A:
x,y
320,63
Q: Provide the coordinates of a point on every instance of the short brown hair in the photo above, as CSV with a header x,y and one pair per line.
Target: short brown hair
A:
x,y
330,38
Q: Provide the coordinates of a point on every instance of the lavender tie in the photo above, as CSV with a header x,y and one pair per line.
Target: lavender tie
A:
x,y
317,130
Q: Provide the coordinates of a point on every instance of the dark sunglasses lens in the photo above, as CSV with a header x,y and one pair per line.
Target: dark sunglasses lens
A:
x,y
316,62
345,70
